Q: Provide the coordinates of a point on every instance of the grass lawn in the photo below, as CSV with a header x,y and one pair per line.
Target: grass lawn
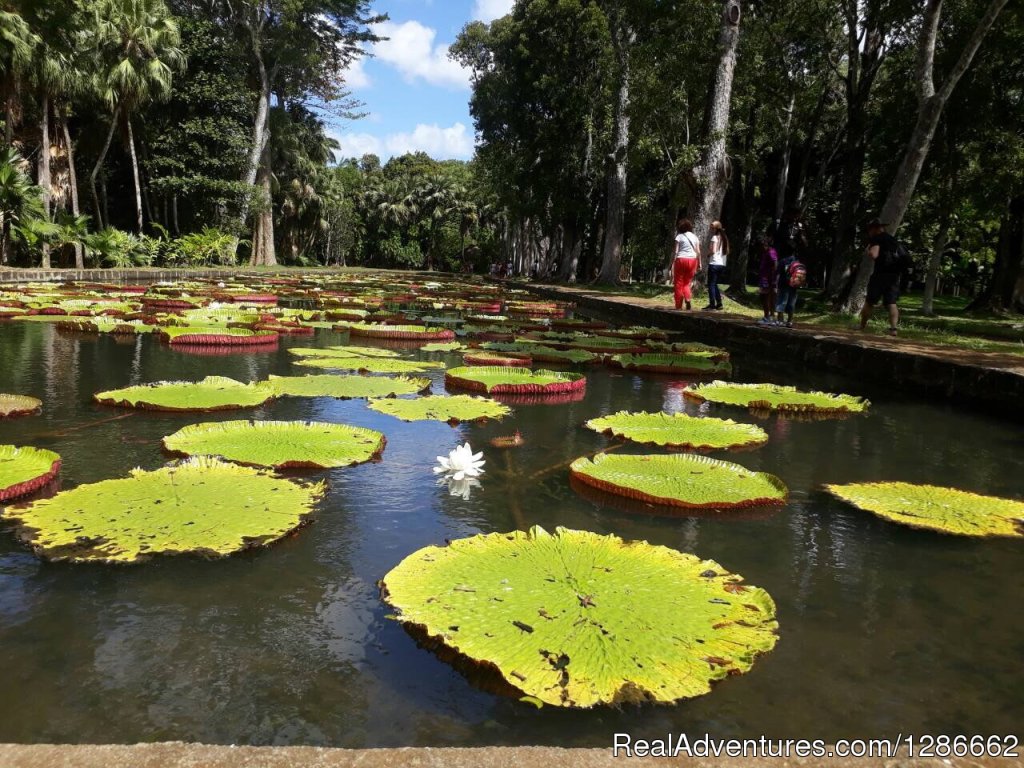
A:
x,y
950,326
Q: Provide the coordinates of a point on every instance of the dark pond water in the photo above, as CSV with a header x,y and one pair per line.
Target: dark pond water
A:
x,y
883,629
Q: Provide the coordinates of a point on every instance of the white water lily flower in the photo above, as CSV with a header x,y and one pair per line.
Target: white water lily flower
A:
x,y
461,463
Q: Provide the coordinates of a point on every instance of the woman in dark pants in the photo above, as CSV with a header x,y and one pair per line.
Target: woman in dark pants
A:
x,y
717,260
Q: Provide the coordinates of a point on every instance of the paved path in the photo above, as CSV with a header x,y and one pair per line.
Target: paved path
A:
x,y
992,380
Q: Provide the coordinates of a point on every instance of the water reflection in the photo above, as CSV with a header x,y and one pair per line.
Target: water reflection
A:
x,y
882,627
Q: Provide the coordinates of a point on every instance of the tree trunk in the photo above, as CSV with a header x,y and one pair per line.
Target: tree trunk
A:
x,y
73,184
711,176
623,37
100,210
931,103
135,174
263,253
1005,292
260,130
935,263
787,152
174,215
44,170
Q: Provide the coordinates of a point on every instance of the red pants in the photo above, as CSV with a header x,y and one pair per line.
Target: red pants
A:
x,y
683,270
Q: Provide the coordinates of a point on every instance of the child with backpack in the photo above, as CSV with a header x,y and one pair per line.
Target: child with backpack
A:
x,y
792,277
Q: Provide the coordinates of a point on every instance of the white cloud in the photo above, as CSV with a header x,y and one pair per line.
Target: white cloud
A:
x,y
454,142
411,50
489,10
440,143
355,75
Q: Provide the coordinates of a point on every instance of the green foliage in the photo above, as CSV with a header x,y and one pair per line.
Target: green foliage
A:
x,y
122,250
206,248
577,619
203,506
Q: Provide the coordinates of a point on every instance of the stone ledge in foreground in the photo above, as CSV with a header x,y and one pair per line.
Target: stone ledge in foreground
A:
x,y
180,755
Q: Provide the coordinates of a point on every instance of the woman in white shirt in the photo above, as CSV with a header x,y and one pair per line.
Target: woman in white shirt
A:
x,y
717,261
685,264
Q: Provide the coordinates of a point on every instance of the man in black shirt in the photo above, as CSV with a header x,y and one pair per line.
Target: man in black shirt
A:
x,y
885,252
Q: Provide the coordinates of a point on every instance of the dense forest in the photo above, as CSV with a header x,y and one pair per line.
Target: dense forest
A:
x,y
198,132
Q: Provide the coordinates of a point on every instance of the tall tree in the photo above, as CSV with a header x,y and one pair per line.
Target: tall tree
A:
x,y
17,42
300,49
931,101
139,42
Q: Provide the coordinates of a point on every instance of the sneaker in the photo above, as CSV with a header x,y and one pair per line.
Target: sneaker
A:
x,y
708,308
894,331
789,323
766,321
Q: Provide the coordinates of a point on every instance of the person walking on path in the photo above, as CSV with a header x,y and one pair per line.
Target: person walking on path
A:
x,y
890,260
685,264
768,279
717,260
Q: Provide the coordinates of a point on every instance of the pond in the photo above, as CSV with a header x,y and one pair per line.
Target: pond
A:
x,y
883,629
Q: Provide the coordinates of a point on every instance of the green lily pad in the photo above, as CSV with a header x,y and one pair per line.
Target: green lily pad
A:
x,y
947,510
453,410
202,506
341,352
216,335
214,393
542,353
382,331
772,397
680,480
577,619
279,444
369,364
443,346
680,431
18,405
696,363
497,379
345,387
24,470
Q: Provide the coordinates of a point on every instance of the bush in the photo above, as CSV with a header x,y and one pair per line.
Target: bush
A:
x,y
210,247
122,250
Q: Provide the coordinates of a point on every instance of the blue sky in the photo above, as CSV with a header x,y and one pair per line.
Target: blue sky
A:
x,y
416,99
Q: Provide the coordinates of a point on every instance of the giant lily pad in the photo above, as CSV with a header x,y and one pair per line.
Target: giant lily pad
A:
x,y
680,431
24,470
947,510
412,332
694,363
279,444
217,336
18,405
577,619
214,393
369,364
342,351
203,506
680,480
772,397
345,387
453,410
514,380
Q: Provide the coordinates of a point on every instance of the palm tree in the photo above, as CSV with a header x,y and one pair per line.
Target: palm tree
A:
x,y
16,44
20,199
139,41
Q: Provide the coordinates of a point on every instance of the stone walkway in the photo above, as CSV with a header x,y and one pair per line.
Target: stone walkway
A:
x,y
992,380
